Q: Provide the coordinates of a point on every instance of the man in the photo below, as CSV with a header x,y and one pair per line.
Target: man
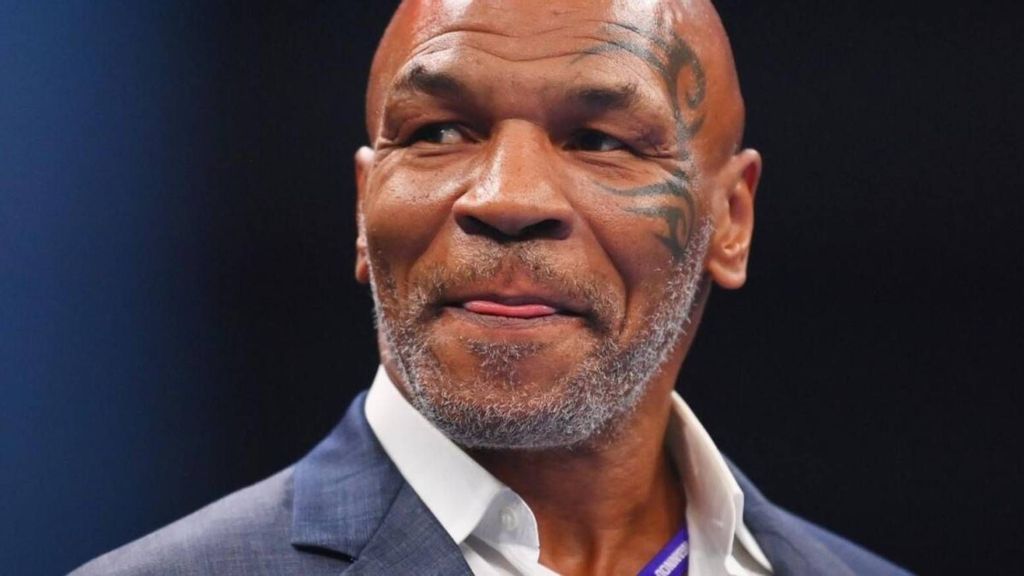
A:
x,y
552,189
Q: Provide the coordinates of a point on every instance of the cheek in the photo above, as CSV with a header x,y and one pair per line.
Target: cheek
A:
x,y
639,259
641,236
405,212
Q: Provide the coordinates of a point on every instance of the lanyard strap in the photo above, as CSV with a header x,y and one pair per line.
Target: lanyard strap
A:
x,y
673,559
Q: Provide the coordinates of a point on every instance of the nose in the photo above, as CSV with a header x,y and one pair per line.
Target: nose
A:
x,y
517,196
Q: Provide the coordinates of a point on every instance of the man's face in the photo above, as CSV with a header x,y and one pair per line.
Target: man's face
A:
x,y
533,223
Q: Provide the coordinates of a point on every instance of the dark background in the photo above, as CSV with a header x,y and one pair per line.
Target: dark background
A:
x,y
178,316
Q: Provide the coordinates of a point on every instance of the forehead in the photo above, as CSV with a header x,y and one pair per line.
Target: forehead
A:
x,y
527,31
526,18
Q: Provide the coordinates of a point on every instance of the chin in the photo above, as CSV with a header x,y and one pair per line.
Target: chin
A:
x,y
531,396
526,368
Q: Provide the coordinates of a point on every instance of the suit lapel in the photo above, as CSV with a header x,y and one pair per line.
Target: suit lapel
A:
x,y
410,541
351,501
789,546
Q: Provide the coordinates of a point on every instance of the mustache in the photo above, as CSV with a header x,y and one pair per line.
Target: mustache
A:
x,y
488,265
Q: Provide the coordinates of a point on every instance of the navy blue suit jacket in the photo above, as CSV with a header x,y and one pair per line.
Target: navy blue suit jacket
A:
x,y
345,509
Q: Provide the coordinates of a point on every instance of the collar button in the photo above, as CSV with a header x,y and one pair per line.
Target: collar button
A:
x,y
509,519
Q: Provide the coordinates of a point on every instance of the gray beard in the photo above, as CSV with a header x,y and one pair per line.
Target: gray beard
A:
x,y
493,412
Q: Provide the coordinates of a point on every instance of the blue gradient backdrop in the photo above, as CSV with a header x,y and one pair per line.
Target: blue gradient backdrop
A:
x,y
102,289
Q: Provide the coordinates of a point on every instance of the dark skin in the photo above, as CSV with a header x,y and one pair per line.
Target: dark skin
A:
x,y
601,134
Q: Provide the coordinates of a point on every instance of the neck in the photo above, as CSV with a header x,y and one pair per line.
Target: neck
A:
x,y
604,509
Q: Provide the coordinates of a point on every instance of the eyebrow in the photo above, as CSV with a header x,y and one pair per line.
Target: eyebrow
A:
x,y
439,84
445,85
604,98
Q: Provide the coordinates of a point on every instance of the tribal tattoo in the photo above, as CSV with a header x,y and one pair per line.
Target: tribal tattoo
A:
x,y
678,220
678,57
675,58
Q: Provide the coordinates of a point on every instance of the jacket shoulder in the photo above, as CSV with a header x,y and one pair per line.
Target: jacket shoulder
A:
x,y
858,559
799,546
246,532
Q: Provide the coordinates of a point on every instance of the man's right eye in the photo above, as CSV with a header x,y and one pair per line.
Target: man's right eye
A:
x,y
441,133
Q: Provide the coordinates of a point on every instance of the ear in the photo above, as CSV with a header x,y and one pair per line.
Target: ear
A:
x,y
364,161
732,209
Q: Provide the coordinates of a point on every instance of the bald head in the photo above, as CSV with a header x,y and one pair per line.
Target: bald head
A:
x,y
682,43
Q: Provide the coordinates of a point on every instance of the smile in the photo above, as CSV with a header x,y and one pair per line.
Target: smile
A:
x,y
512,312
509,323
525,310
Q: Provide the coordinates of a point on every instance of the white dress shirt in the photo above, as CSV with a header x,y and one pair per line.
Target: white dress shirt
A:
x,y
495,528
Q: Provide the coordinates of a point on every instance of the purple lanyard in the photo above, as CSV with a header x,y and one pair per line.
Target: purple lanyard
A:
x,y
673,560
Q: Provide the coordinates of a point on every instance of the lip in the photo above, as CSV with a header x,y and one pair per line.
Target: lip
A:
x,y
526,310
508,325
514,309
522,304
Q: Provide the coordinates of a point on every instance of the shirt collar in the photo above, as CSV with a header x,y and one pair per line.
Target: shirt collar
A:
x,y
456,489
460,492
714,510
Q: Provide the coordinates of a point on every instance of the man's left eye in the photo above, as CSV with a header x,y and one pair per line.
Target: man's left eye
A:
x,y
439,133
594,141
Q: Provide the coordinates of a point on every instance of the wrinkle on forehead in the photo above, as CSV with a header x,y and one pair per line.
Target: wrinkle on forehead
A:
x,y
421,26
